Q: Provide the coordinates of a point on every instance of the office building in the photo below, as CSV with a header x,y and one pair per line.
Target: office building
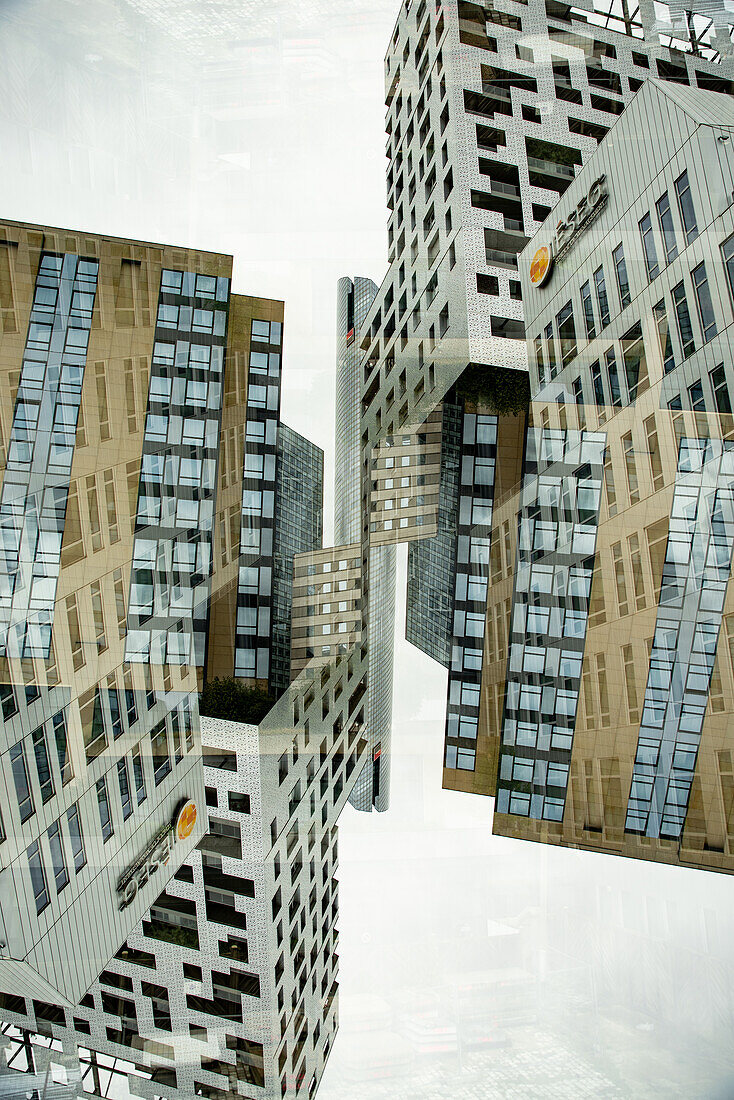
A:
x,y
607,708
327,605
111,359
299,504
352,502
229,986
491,112
209,970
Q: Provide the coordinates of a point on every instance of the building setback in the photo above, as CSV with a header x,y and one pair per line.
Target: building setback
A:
x,y
608,711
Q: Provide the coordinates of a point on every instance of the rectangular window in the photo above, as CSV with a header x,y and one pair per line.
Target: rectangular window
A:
x,y
597,384
540,363
22,786
727,252
601,296
615,389
664,338
161,759
685,206
62,748
630,464
123,780
635,362
38,877
653,450
566,334
76,838
683,317
721,389
667,229
588,308
696,397
551,348
703,302
139,776
43,767
58,861
623,285
103,803
648,248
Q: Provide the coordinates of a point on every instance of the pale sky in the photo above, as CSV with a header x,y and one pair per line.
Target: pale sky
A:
x,y
471,965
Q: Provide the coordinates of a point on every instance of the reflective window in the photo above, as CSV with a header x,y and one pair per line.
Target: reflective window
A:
x,y
601,296
620,268
683,317
686,208
667,229
648,248
58,859
704,304
103,803
38,877
76,838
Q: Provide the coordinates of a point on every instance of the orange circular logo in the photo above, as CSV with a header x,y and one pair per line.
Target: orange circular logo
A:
x,y
540,265
186,820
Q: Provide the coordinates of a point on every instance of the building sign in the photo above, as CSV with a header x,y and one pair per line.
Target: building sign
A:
x,y
157,852
541,265
567,232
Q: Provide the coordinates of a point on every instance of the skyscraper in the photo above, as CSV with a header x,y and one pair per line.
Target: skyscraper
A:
x,y
299,503
607,709
352,493
152,507
490,115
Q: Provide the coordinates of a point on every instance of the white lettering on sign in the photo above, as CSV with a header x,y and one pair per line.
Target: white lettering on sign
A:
x,y
156,853
580,217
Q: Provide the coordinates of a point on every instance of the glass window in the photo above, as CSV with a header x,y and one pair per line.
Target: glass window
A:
x,y
139,776
103,803
588,308
77,840
703,302
601,296
727,252
58,860
683,317
664,338
38,877
620,268
20,777
161,759
7,701
551,347
667,229
566,333
696,396
597,384
721,389
635,363
648,248
540,363
610,361
43,767
123,780
685,206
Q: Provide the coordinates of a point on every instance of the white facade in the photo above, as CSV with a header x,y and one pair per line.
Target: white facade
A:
x,y
354,298
228,987
491,108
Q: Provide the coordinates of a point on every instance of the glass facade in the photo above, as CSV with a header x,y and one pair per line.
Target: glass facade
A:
x,y
172,556
255,586
41,450
298,528
432,562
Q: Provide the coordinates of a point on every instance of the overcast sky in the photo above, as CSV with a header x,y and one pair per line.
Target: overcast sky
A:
x,y
471,965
